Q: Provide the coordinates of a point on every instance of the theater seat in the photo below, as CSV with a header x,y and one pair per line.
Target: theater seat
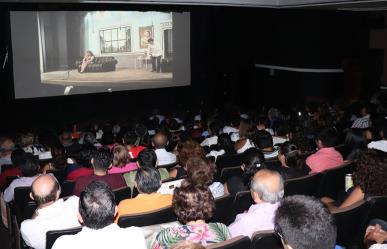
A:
x,y
52,236
265,240
122,194
67,188
306,185
23,205
228,172
168,166
159,216
242,202
349,222
223,210
240,242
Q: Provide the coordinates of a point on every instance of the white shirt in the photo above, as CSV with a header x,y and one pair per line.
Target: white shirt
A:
x,y
378,246
248,144
215,153
209,141
229,129
57,216
111,236
164,157
273,154
154,49
279,140
19,182
169,187
378,145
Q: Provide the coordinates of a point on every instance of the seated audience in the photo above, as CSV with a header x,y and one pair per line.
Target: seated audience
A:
x,y
364,120
97,209
193,205
29,167
267,188
291,161
264,141
147,182
101,161
16,158
355,142
233,126
327,156
252,161
225,147
146,158
303,223
241,139
82,165
121,162
186,150
382,143
52,213
369,179
6,148
130,141
281,134
213,132
376,234
201,172
160,141
27,144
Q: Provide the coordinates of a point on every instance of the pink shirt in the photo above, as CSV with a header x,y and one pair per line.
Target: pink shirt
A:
x,y
259,217
323,159
117,170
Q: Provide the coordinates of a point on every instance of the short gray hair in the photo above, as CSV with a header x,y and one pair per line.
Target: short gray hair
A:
x,y
266,195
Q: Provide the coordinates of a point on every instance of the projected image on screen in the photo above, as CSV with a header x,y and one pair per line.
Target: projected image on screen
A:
x,y
105,47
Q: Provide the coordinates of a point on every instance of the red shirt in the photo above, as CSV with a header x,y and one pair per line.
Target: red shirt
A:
x,y
13,171
82,171
115,181
134,151
323,159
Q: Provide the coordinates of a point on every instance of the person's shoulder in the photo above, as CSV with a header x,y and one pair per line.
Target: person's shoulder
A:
x,y
65,241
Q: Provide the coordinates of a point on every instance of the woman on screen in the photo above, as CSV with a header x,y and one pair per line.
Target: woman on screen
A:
x,y
87,59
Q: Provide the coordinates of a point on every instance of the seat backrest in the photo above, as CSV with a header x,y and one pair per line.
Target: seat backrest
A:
x,y
22,196
225,161
51,236
223,212
239,242
168,166
24,206
349,221
242,202
228,172
306,185
266,240
122,194
67,188
333,181
159,216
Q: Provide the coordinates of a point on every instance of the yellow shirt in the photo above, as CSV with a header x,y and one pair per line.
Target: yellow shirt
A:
x,y
143,203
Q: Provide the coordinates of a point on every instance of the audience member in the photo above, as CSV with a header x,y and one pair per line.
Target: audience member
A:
x,y
252,161
369,179
52,213
6,148
267,188
101,161
160,141
225,147
147,182
303,223
364,120
327,156
281,134
241,139
17,157
29,167
376,234
82,165
355,142
97,209
264,141
121,162
193,205
131,140
201,172
186,150
291,161
146,158
213,133
380,144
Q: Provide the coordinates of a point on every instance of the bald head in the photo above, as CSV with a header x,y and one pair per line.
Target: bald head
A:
x,y
160,141
267,186
45,189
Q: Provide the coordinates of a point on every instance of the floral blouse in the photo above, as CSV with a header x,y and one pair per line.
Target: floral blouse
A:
x,y
204,233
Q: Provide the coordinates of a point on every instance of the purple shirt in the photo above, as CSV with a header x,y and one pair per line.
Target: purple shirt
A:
x,y
259,217
118,170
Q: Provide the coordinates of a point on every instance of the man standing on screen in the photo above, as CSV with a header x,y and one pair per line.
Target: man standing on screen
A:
x,y
154,50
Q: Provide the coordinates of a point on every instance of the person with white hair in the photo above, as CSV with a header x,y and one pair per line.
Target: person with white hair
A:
x,y
267,189
6,148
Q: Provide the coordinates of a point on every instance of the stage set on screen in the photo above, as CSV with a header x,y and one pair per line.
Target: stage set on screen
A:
x,y
98,47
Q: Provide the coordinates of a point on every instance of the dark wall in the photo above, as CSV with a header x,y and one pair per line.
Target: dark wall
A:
x,y
225,44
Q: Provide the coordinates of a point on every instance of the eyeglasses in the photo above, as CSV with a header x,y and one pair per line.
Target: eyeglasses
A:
x,y
278,231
